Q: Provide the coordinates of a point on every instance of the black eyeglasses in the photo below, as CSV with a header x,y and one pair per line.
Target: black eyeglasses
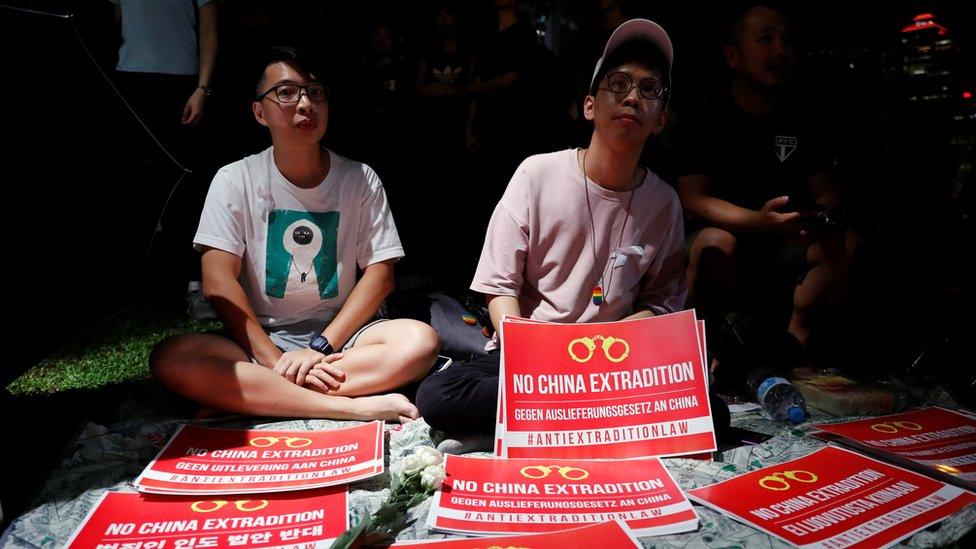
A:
x,y
292,93
621,83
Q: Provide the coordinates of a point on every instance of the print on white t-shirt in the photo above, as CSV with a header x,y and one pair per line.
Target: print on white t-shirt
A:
x,y
301,255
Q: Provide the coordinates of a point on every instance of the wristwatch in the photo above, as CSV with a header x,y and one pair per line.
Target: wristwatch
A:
x,y
321,344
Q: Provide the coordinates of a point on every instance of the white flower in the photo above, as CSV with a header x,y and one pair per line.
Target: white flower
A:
x,y
432,477
429,455
412,465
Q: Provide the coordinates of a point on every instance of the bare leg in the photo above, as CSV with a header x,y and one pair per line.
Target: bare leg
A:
x,y
825,284
214,371
386,356
711,269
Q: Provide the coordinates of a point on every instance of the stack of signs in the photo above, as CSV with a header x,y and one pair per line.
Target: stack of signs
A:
x,y
628,389
523,496
212,465
607,534
933,441
198,460
310,519
835,498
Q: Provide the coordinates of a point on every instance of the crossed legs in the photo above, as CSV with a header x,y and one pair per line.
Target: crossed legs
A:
x,y
216,372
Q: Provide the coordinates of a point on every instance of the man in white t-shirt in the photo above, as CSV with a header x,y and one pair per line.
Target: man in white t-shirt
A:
x,y
583,235
282,234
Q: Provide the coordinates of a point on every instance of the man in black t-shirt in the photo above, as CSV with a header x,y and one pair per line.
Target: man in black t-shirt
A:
x,y
583,49
755,182
506,88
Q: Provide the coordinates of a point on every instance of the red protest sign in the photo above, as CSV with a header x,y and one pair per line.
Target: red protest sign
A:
x,y
311,519
607,534
495,496
930,440
634,388
835,498
199,460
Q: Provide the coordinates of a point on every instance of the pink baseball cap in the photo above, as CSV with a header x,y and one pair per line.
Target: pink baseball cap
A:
x,y
639,29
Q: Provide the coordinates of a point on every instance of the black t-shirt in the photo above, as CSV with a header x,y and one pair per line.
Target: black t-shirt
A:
x,y
446,67
445,116
503,114
385,89
509,50
449,68
752,159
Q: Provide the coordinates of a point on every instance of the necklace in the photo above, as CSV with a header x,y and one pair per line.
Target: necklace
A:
x,y
297,268
599,294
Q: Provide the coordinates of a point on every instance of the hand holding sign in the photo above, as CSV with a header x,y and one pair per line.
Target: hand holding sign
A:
x,y
613,390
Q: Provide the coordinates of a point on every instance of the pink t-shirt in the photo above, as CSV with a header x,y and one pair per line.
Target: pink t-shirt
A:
x,y
538,245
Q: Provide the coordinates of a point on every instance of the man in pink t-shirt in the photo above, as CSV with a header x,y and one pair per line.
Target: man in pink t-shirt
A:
x,y
582,235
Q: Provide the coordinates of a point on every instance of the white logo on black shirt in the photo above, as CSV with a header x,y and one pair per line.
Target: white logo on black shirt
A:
x,y
785,145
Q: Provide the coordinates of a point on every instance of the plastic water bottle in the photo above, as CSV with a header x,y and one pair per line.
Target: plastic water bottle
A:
x,y
781,400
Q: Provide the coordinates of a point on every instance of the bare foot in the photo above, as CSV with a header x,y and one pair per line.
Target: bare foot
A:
x,y
392,407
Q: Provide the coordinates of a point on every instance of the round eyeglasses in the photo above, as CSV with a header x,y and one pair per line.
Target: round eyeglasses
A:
x,y
292,93
621,83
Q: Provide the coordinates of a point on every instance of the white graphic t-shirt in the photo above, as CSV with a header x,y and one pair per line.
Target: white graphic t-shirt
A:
x,y
300,247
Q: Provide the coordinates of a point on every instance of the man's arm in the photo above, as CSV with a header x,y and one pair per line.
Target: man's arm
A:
x,y
207,46
499,275
208,42
693,190
495,84
499,272
376,283
643,313
664,285
222,288
501,305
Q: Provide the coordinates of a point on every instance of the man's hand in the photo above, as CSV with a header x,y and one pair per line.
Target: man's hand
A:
x,y
324,376
193,110
788,224
296,365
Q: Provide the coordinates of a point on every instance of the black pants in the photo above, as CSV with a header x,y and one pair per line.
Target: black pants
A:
x,y
159,99
464,398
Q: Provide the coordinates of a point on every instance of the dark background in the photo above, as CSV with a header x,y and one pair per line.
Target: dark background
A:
x,y
85,187
91,185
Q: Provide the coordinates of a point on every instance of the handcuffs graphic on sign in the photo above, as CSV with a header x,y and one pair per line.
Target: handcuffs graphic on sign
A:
x,y
606,344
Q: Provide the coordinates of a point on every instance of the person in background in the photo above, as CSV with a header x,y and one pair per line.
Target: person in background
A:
x,y
756,181
167,60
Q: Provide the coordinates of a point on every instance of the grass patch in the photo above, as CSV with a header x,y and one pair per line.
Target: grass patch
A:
x,y
114,351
